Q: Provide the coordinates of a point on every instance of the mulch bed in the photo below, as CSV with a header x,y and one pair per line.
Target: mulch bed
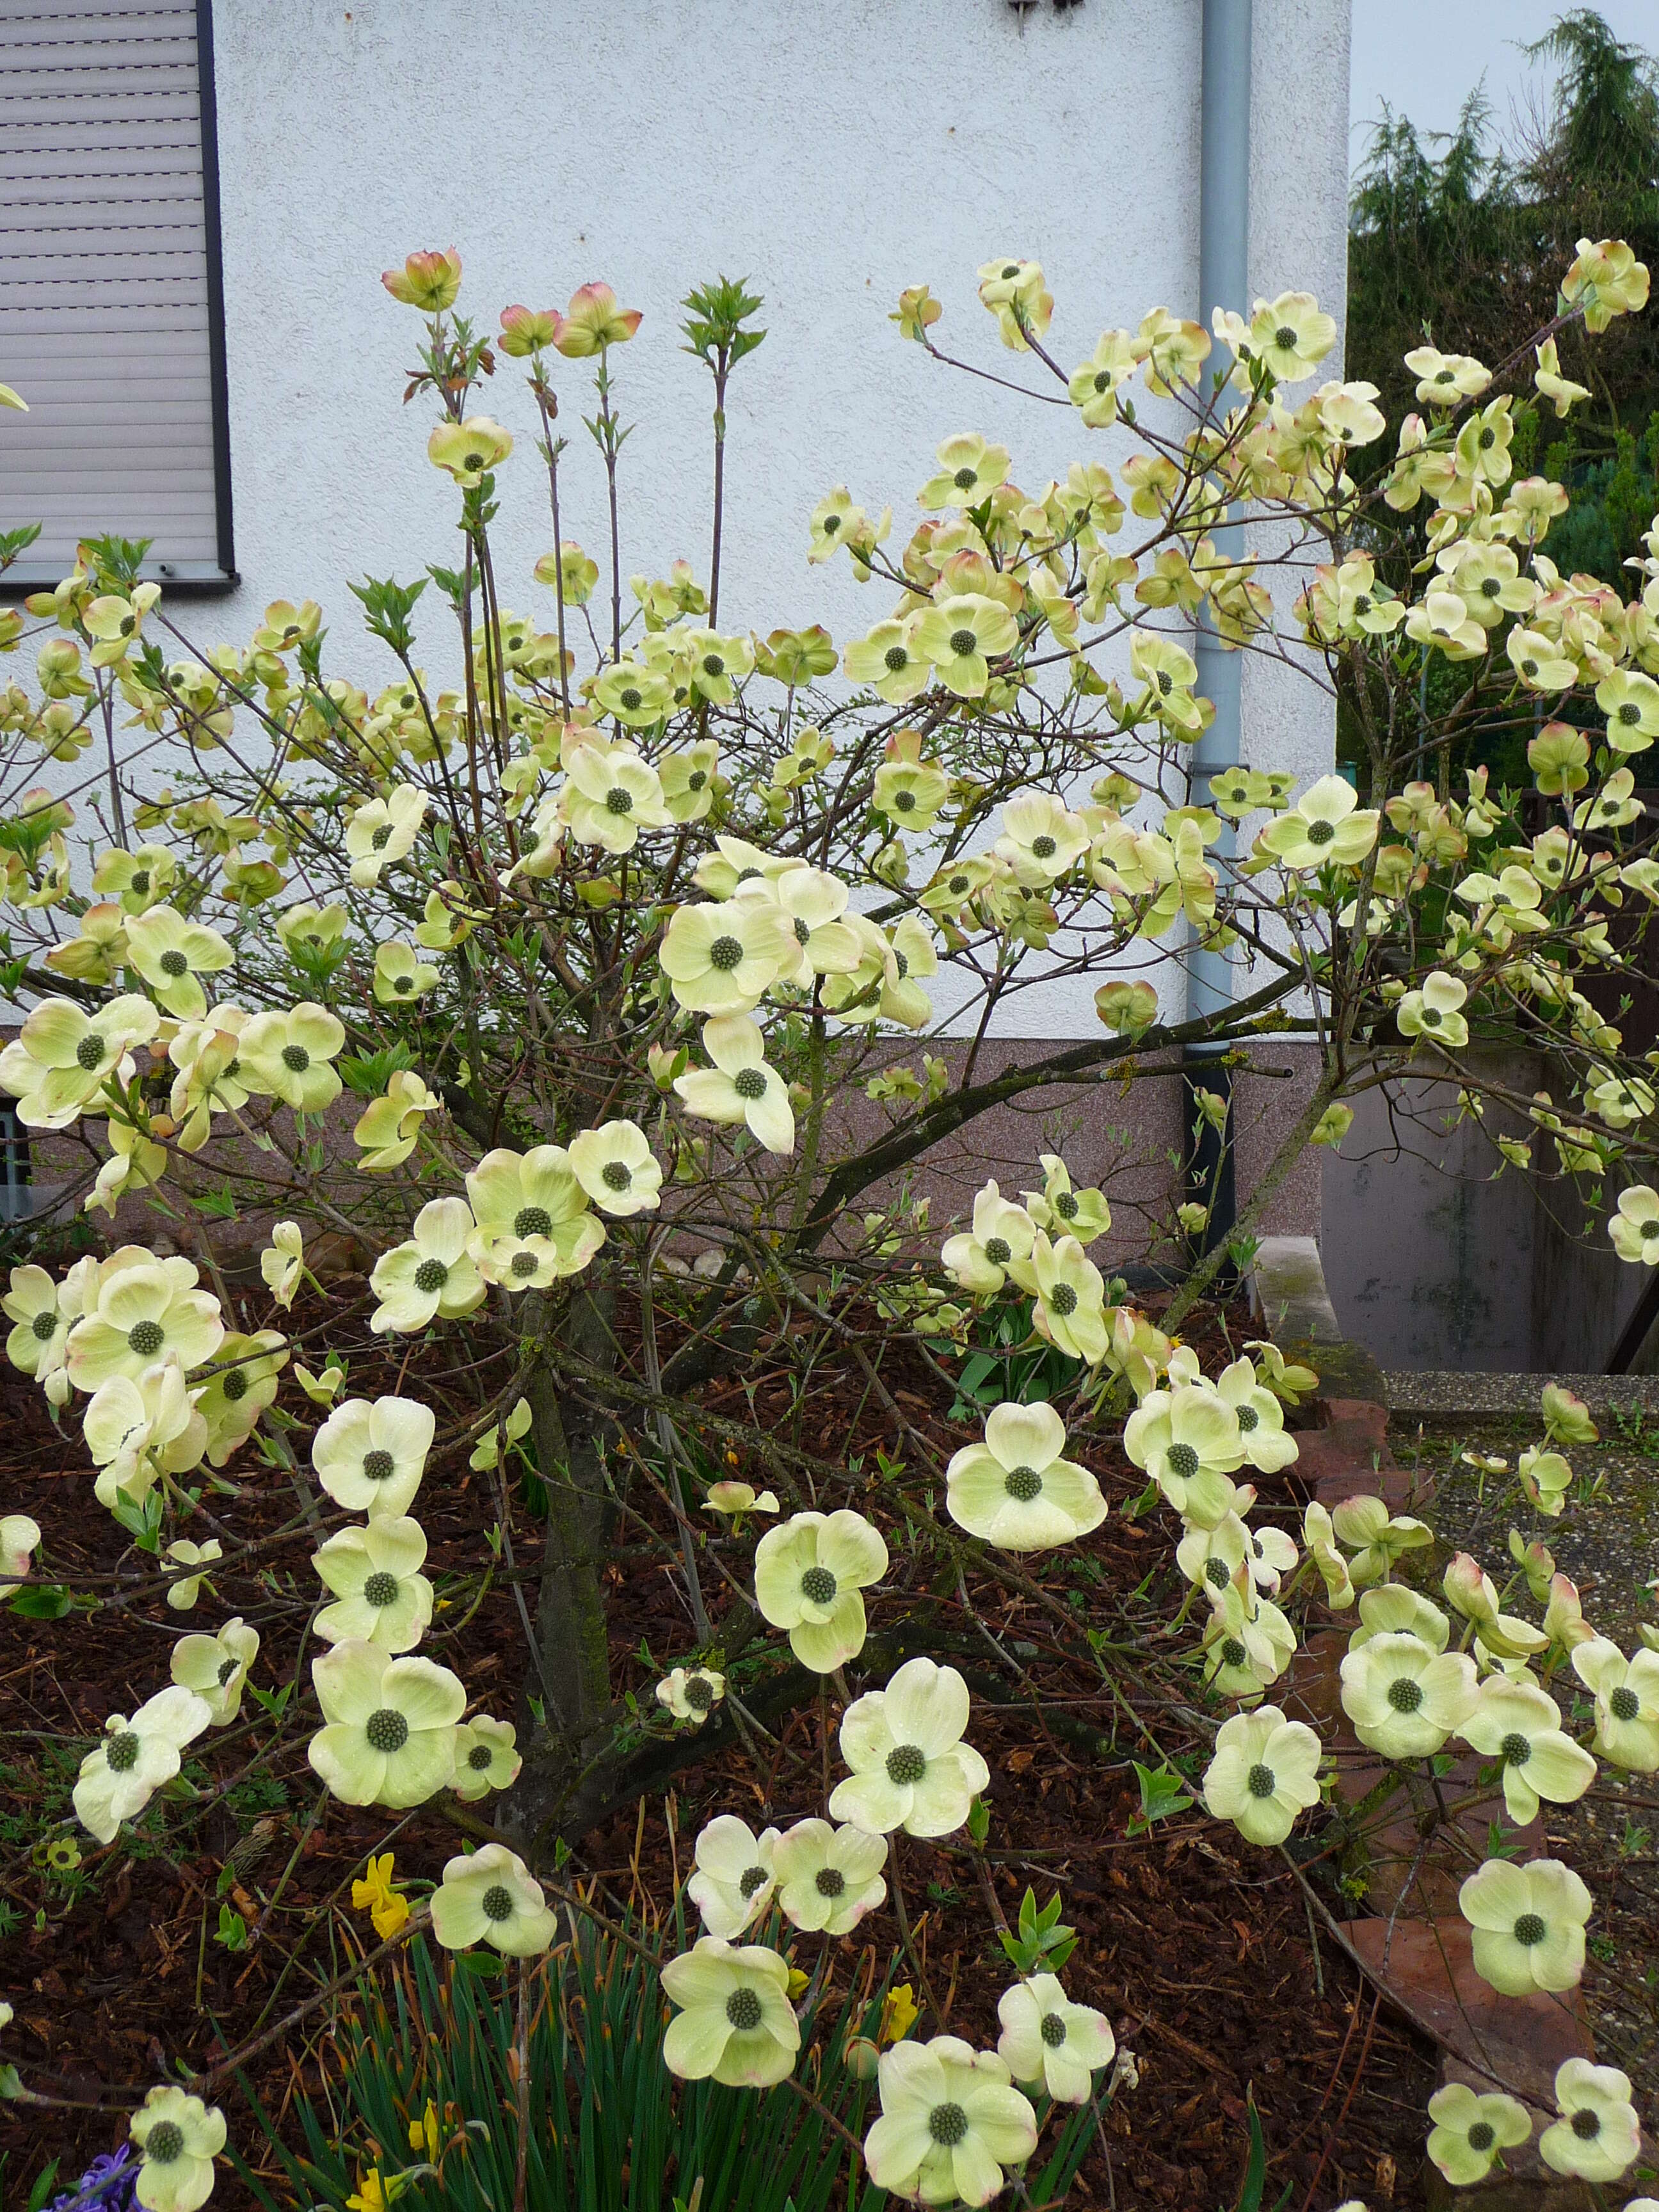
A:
x,y
1200,1948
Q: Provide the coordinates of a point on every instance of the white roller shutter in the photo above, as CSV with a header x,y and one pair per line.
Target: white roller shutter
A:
x,y
109,294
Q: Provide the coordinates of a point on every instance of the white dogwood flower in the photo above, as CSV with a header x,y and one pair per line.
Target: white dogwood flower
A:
x,y
370,1456
1527,1924
1403,1696
911,1769
490,1896
735,2023
432,1276
810,1575
739,1088
1048,2039
1264,1772
828,1877
374,1572
390,1732
1015,1489
950,2123
734,1878
136,1757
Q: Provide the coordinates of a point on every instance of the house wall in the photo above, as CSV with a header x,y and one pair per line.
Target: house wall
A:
x,y
1435,1261
832,151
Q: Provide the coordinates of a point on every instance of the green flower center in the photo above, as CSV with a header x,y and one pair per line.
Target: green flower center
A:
x,y
525,1265
295,1059
753,1878
532,1221
121,1751
228,1671
906,1763
965,479
699,1694
430,1277
402,985
497,1902
695,780
904,802
1261,1781
948,2125
1432,1018
1624,1705
817,1586
387,1730
1182,1461
378,1465
1488,439
164,2143
1043,847
1405,1693
616,1175
901,961
830,1882
830,525
1630,713
1216,1573
803,931
1490,587
998,1251
618,801
478,1759
146,1338
141,880
1321,833
713,664
233,1385
630,697
1516,1748
45,1324
1586,2123
1284,338
1234,1652
1065,1201
1063,1299
1102,379
381,1589
895,658
743,2010
1530,1928
173,963
963,643
1482,2136
725,953
89,1053
1165,683
1248,1418
382,837
750,1082
957,885
1052,2028
1023,1483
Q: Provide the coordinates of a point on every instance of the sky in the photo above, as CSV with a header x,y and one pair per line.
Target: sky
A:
x,y
1423,57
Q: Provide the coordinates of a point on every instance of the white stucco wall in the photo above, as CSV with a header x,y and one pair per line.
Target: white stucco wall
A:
x,y
830,150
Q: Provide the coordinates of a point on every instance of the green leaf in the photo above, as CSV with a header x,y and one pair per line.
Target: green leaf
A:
x,y
42,1602
231,1930
1163,1792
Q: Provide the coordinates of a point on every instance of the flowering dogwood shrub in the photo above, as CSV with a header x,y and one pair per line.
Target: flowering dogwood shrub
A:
x,y
598,915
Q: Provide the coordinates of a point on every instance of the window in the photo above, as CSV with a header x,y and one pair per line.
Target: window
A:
x,y
111,314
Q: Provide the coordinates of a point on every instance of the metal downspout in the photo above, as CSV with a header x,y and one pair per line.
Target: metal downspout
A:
x,y
1223,282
